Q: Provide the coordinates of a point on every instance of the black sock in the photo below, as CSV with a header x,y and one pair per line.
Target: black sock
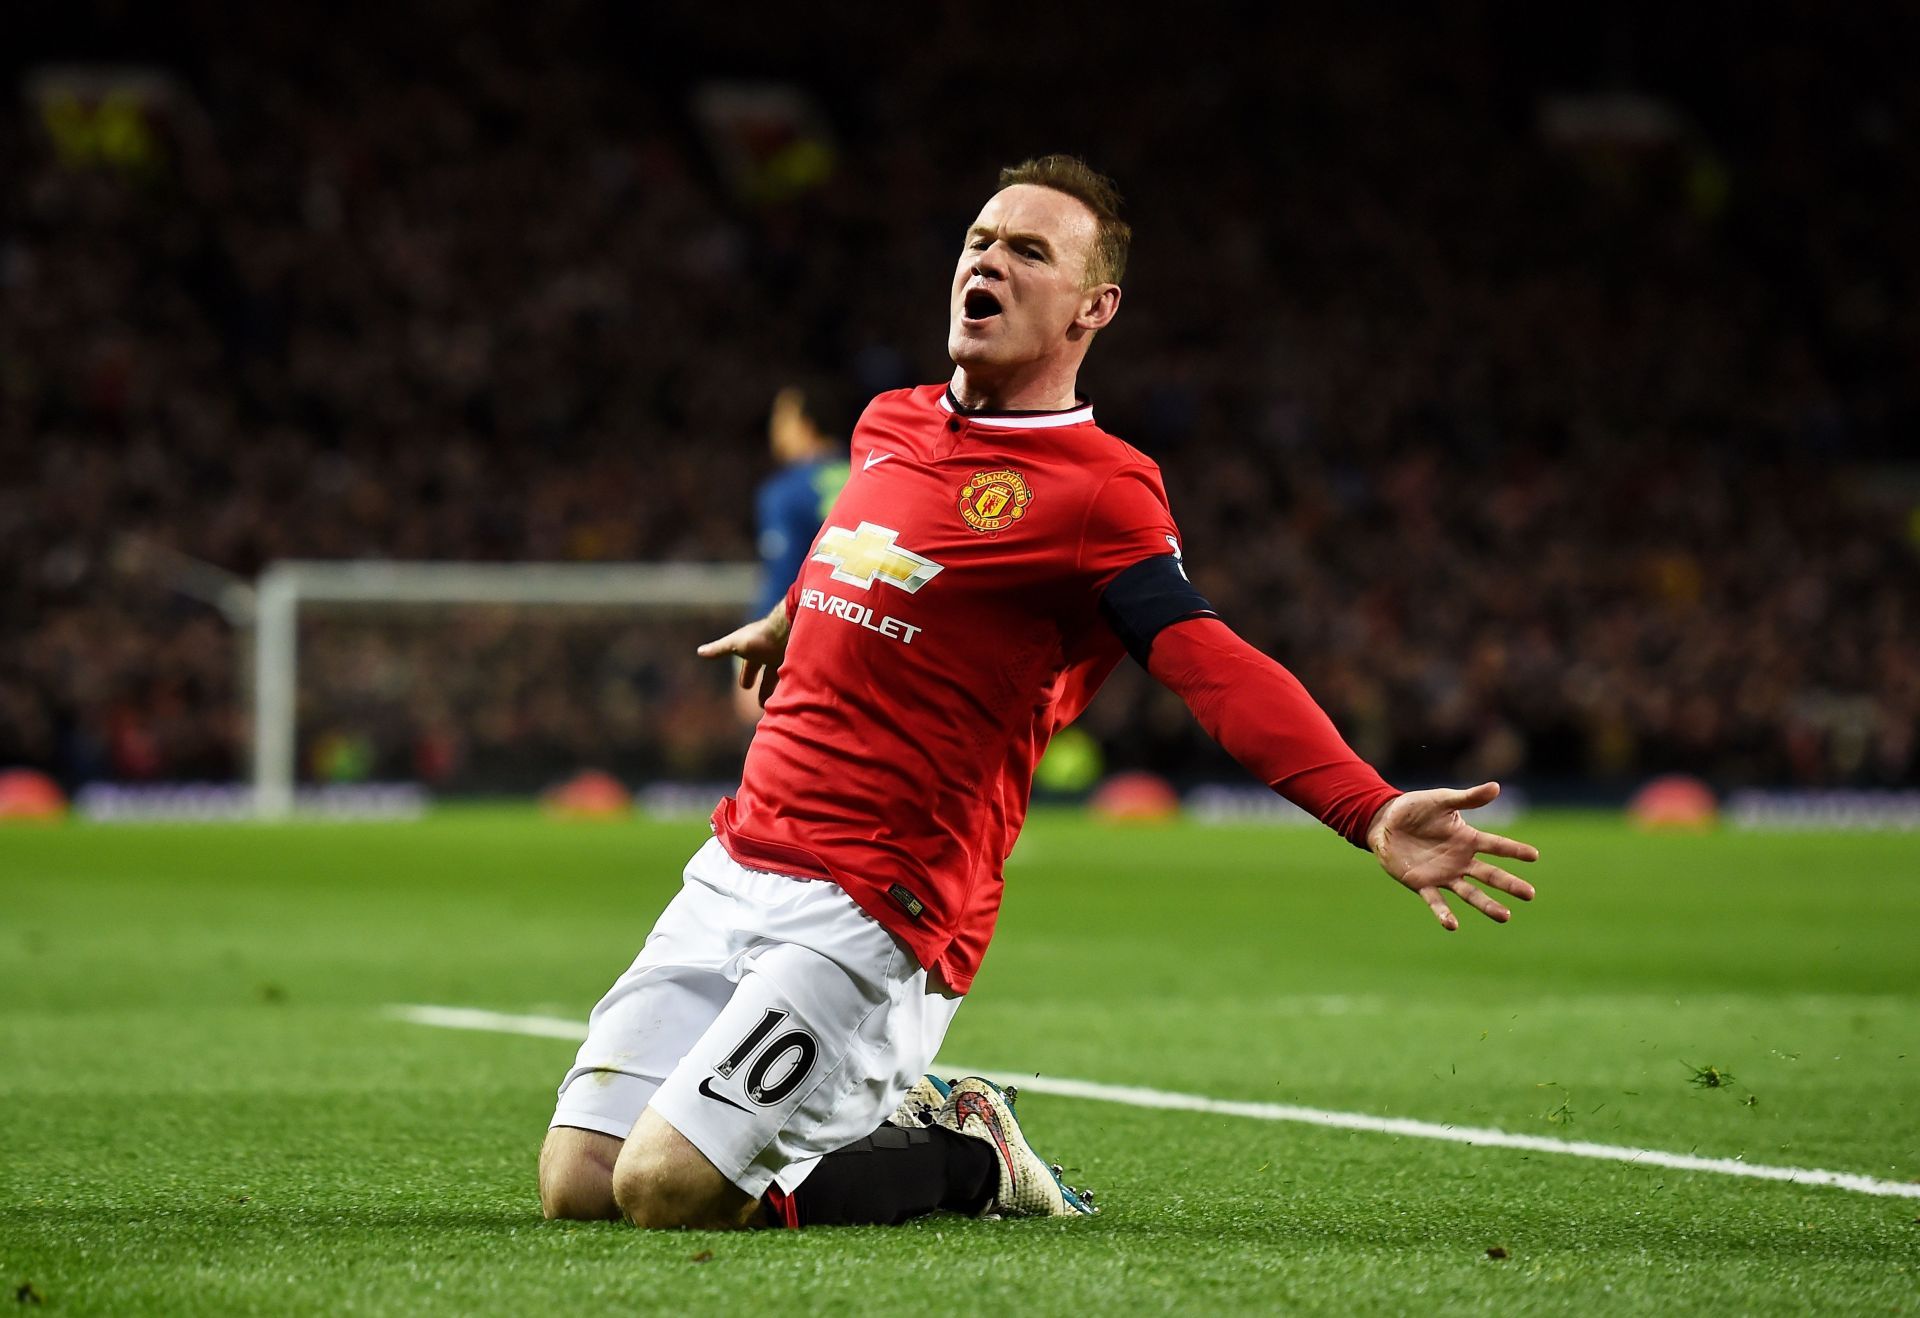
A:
x,y
894,1175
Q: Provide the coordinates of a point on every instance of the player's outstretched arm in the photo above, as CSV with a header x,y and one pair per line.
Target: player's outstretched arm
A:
x,y
1264,718
1422,841
760,646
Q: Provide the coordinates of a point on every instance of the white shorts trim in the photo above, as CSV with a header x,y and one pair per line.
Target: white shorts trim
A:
x,y
768,1018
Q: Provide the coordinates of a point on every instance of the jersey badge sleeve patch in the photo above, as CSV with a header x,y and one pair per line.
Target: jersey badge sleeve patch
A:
x,y
991,501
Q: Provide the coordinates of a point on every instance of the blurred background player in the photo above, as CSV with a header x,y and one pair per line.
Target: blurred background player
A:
x,y
789,506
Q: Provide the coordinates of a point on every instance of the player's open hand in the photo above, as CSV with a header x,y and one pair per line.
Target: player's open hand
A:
x,y
760,646
1421,840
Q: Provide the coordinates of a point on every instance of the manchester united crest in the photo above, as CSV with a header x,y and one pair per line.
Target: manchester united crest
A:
x,y
994,500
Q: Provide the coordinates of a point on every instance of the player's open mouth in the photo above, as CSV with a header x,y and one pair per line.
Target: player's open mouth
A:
x,y
979,305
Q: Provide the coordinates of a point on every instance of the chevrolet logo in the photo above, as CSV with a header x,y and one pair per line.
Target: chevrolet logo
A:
x,y
860,556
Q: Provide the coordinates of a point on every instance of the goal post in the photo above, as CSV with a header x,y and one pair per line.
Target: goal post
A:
x,y
284,588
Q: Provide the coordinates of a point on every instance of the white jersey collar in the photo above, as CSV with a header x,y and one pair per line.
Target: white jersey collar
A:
x,y
1078,415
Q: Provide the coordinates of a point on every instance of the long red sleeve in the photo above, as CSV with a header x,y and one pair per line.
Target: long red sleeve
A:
x,y
1265,719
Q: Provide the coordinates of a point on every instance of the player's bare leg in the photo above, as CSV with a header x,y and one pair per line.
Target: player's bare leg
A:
x,y
661,1180
576,1175
924,1159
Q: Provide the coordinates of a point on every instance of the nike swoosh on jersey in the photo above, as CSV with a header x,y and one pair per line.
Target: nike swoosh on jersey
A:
x,y
874,460
708,1091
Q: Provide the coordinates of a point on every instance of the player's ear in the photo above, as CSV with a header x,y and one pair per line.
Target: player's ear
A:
x,y
1102,304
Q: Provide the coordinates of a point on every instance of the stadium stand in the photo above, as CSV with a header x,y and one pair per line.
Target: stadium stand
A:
x,y
1416,321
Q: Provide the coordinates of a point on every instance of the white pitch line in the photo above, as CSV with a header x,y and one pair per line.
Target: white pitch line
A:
x,y
492,1022
555,1027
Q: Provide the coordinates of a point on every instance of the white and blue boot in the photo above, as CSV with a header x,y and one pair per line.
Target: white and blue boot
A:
x,y
1029,1186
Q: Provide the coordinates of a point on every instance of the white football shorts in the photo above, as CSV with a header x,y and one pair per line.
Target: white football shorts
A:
x,y
768,1018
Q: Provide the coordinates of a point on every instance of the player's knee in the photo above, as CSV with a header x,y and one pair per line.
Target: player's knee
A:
x,y
575,1184
659,1192
566,1205
577,1198
647,1195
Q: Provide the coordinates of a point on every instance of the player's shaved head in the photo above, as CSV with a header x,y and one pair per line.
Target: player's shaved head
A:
x,y
1107,259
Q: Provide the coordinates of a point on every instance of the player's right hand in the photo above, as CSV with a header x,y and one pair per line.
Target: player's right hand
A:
x,y
760,646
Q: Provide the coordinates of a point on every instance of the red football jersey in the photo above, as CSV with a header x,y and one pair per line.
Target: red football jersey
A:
x,y
945,626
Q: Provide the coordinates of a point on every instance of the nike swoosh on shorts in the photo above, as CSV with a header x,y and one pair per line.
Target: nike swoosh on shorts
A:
x,y
708,1091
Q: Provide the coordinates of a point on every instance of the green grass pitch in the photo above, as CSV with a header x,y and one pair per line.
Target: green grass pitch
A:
x,y
203,1109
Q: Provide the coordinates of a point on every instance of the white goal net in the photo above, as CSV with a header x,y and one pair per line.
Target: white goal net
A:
x,y
495,677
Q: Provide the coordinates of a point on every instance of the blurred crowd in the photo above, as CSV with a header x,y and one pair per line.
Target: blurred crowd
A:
x,y
1546,400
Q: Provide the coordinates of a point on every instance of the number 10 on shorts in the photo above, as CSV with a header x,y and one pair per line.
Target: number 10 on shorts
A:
x,y
768,1056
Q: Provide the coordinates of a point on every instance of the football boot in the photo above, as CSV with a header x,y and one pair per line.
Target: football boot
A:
x,y
1029,1185
922,1101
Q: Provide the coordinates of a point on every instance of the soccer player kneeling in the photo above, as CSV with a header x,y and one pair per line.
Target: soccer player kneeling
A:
x,y
993,556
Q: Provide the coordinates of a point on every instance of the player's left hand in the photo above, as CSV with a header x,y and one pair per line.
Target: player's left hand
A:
x,y
1421,840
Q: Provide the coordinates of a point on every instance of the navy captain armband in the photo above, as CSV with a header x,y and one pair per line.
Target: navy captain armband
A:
x,y
1148,598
